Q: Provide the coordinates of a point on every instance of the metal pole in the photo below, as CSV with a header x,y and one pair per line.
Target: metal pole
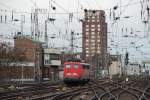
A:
x,y
36,24
72,44
21,24
22,69
34,61
46,37
39,71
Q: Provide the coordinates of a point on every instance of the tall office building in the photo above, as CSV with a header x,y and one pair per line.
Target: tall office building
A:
x,y
94,29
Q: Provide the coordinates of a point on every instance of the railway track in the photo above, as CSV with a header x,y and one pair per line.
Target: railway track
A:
x,y
90,92
95,90
125,91
28,91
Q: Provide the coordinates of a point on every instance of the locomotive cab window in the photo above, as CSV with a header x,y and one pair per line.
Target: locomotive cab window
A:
x,y
85,66
67,66
75,66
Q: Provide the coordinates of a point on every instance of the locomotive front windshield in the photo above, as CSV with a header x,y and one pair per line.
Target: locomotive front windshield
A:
x,y
68,66
76,66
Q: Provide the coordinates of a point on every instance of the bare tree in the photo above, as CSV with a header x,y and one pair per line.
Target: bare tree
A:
x,y
9,54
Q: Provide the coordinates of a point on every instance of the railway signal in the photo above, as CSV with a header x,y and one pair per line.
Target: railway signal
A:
x,y
126,58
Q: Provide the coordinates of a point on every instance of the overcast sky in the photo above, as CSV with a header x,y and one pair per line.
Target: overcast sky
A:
x,y
137,43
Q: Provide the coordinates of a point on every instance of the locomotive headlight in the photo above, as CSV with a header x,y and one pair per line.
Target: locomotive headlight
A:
x,y
75,74
68,74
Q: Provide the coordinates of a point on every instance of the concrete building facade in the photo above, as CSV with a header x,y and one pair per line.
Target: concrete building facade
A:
x,y
115,67
145,68
52,64
133,69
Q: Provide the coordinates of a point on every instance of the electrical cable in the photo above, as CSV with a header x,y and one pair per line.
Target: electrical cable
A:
x,y
123,10
67,12
88,5
32,2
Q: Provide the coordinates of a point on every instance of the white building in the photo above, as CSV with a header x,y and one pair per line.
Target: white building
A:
x,y
52,64
133,69
138,69
145,68
52,57
115,66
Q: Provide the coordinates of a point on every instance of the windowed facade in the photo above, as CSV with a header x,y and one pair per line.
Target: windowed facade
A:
x,y
92,25
52,57
96,27
47,62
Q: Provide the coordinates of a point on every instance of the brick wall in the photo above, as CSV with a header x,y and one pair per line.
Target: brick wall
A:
x,y
15,72
26,45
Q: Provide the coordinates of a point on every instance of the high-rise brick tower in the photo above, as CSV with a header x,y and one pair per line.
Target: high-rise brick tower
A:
x,y
94,29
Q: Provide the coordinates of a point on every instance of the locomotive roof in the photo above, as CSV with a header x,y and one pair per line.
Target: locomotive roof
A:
x,y
85,63
78,62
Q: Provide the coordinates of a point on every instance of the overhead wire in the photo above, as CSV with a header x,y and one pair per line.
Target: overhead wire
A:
x,y
67,12
97,4
60,6
82,12
32,2
129,2
58,29
6,6
122,12
88,5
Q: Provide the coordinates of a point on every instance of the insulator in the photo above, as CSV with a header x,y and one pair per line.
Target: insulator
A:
x,y
5,18
122,30
1,18
113,14
148,10
110,14
115,7
93,11
141,14
126,30
31,17
12,17
85,10
54,8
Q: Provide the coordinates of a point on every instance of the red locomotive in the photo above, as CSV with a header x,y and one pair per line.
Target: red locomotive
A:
x,y
76,72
